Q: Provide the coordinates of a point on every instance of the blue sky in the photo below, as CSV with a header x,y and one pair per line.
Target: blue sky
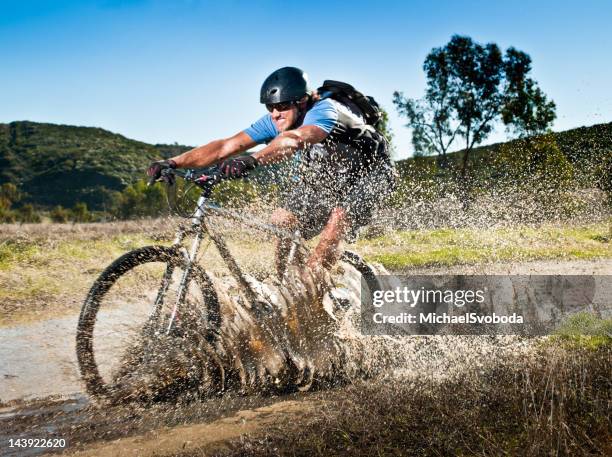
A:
x,y
190,70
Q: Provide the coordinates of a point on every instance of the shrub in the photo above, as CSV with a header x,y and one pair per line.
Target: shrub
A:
x,y
27,214
235,193
138,200
59,214
536,164
80,213
8,195
7,216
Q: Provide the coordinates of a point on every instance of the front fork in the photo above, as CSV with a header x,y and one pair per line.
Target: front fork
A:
x,y
190,258
182,290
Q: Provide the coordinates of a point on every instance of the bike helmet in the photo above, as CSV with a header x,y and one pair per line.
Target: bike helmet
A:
x,y
287,84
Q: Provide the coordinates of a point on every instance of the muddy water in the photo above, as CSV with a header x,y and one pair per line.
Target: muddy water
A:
x,y
86,428
39,360
40,419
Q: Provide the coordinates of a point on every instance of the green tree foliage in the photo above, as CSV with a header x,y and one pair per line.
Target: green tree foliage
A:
x,y
167,151
9,194
526,110
80,213
534,169
535,163
59,214
140,200
27,213
419,182
470,87
7,216
63,165
236,193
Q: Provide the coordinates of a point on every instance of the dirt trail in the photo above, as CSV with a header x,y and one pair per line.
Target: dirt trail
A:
x,y
204,437
540,267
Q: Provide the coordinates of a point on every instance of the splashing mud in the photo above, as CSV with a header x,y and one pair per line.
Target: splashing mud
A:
x,y
303,334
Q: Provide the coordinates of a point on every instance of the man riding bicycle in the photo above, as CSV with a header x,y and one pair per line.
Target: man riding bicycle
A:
x,y
343,169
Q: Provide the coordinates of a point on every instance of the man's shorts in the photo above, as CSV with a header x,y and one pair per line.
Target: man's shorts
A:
x,y
312,197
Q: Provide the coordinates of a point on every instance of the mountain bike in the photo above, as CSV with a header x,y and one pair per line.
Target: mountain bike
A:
x,y
155,291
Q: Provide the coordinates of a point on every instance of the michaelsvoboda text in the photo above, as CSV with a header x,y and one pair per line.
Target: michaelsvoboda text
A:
x,y
445,318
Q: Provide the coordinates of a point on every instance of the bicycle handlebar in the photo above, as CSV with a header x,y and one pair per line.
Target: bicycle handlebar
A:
x,y
205,181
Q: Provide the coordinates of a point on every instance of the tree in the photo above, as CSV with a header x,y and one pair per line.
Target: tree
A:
x,y
59,214
536,164
27,213
526,110
80,212
139,200
470,87
9,194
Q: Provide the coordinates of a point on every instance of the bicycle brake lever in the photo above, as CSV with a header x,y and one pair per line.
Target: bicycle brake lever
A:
x,y
167,176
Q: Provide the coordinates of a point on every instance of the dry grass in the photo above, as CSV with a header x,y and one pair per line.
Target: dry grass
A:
x,y
557,402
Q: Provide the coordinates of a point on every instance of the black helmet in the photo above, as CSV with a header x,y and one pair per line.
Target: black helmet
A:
x,y
287,84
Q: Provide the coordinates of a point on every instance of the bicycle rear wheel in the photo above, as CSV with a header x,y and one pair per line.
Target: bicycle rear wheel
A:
x,y
130,305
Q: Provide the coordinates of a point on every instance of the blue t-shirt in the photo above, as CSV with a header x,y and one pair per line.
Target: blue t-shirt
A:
x,y
323,114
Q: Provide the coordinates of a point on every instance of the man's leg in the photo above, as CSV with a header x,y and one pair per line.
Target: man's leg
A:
x,y
326,254
288,221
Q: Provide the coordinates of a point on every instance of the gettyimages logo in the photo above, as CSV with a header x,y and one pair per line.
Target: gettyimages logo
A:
x,y
411,297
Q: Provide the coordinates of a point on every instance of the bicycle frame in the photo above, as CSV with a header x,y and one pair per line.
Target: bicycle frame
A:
x,y
199,228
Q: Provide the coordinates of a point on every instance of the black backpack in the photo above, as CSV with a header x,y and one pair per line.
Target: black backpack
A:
x,y
348,95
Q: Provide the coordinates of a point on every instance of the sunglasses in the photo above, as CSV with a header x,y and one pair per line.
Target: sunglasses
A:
x,y
283,106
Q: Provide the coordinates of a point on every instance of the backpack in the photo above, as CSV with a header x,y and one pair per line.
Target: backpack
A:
x,y
348,95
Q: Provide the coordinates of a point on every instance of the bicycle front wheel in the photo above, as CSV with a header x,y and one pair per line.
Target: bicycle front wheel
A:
x,y
130,304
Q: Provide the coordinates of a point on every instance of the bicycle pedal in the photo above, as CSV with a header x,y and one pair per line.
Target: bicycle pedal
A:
x,y
343,303
340,303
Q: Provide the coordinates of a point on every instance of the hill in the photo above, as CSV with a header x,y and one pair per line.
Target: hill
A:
x,y
63,164
585,148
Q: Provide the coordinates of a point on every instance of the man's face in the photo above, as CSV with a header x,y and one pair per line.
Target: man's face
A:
x,y
284,115
284,119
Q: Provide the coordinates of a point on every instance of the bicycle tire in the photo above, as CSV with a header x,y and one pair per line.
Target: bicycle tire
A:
x,y
95,385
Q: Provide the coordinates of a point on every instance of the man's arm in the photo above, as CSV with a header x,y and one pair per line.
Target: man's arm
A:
x,y
214,152
288,142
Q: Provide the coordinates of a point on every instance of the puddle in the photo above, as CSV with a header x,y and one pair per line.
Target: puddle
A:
x,y
38,360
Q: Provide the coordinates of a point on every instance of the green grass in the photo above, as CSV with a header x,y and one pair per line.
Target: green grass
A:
x,y
41,278
36,252
584,330
16,251
447,247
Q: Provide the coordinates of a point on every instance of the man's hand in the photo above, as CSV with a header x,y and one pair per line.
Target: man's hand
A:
x,y
155,169
238,167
